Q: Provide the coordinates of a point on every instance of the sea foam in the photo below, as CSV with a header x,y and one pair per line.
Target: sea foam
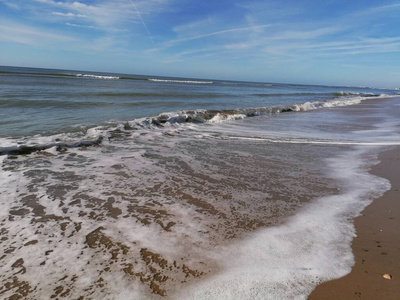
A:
x,y
180,81
288,261
96,76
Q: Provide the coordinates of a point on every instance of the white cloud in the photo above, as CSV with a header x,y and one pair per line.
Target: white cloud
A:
x,y
80,26
381,8
195,26
68,15
105,13
10,4
337,48
223,32
110,17
362,45
14,32
226,32
306,34
285,41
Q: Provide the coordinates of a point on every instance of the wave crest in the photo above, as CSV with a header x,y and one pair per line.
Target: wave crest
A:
x,y
94,76
218,116
341,94
201,116
180,81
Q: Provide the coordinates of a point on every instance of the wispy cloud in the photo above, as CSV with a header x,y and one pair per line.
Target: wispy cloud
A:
x,y
195,26
337,48
15,32
346,35
307,34
114,21
105,14
222,32
10,4
277,41
382,8
362,45
141,19
180,56
219,33
80,26
68,15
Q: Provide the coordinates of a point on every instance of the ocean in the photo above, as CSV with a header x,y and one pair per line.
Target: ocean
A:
x,y
118,186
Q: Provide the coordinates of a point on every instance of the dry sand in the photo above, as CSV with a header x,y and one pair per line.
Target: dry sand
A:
x,y
377,245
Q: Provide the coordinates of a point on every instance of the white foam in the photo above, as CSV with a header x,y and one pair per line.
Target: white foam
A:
x,y
219,118
332,103
355,93
7,179
7,142
180,81
288,261
96,76
356,98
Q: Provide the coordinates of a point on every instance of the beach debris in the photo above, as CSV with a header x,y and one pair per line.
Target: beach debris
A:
x,y
387,276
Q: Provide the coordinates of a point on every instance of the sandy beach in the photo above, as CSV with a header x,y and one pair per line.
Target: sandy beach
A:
x,y
377,245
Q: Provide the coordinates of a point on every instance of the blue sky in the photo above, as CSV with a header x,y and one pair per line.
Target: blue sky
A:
x,y
338,42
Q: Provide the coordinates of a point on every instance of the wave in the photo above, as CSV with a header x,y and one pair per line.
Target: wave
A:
x,y
340,94
95,76
218,116
335,94
98,76
59,147
289,94
180,81
200,116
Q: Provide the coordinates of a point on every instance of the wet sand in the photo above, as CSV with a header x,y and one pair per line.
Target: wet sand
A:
x,y
377,245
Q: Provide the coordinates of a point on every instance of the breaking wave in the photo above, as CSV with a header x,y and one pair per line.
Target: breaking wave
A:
x,y
201,116
218,116
340,94
180,81
95,76
59,147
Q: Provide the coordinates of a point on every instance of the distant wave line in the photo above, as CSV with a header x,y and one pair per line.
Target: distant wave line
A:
x,y
180,81
97,76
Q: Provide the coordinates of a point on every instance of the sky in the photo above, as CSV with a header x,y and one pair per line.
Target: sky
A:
x,y
336,42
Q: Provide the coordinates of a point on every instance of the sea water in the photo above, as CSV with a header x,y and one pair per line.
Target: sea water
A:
x,y
118,186
42,101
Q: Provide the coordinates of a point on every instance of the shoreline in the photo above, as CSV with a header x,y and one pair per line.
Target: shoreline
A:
x,y
377,245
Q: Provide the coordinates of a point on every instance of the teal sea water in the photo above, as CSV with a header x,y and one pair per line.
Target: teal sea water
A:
x,y
116,186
